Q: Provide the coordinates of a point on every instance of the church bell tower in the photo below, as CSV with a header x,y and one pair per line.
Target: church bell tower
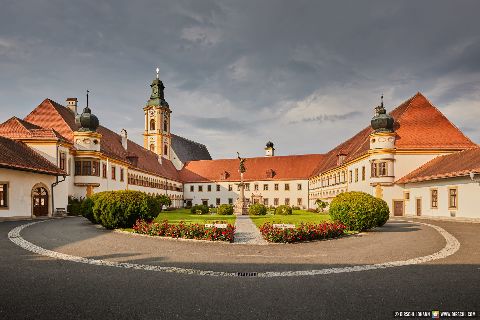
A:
x,y
157,121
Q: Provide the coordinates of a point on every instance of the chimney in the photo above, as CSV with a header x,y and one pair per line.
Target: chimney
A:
x,y
72,105
124,136
269,149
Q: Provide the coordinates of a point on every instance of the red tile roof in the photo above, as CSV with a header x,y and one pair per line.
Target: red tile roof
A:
x,y
17,155
418,124
50,114
453,165
15,128
284,168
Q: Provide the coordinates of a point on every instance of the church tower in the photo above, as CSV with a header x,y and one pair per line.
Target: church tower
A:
x,y
157,136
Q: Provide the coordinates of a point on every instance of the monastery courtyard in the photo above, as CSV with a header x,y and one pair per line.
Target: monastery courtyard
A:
x,y
82,271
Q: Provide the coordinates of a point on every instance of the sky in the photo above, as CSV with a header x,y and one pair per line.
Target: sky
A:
x,y
306,75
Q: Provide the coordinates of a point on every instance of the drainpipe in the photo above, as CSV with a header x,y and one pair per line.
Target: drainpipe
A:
x,y
53,198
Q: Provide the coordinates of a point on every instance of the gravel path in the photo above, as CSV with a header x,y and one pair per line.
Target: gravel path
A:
x,y
247,232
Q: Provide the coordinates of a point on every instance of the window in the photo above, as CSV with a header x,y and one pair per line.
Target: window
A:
x,y
3,195
265,201
434,198
265,187
382,169
230,187
63,160
363,173
275,201
287,187
299,201
192,188
209,188
165,125
230,201
379,169
152,147
406,195
299,186
165,150
114,172
152,124
200,188
356,174
351,176
452,198
247,187
218,187
217,201
205,202
121,174
104,170
287,201
256,187
87,168
275,187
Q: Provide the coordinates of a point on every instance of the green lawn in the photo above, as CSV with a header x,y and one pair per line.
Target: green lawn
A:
x,y
179,215
296,218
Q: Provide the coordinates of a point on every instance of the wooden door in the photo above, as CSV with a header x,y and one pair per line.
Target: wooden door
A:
x,y
40,202
418,206
398,207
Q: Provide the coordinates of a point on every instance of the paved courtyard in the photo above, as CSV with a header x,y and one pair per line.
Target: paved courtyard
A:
x,y
36,286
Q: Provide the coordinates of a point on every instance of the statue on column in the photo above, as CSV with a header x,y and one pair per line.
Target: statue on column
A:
x,y
241,167
241,205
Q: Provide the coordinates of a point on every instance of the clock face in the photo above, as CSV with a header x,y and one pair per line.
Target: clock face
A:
x,y
152,113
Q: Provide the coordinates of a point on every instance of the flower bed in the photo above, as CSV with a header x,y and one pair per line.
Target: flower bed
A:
x,y
304,232
186,231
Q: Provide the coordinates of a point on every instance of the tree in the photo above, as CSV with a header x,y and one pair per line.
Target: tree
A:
x,y
163,200
321,204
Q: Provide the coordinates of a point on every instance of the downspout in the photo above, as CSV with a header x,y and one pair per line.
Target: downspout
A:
x,y
53,198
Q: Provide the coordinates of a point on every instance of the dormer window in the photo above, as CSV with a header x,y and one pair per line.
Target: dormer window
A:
x,y
270,173
341,158
224,175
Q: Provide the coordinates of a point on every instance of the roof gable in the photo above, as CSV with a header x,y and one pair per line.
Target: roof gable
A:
x,y
452,165
188,150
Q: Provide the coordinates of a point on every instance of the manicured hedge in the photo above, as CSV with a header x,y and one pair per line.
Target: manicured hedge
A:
x,y
359,211
257,209
120,209
225,209
304,232
186,231
199,209
283,210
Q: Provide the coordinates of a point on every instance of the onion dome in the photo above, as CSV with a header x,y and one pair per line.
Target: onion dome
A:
x,y
382,122
157,98
269,144
87,120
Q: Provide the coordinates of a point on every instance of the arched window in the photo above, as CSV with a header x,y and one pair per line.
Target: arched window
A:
x,y
165,125
152,124
152,147
165,149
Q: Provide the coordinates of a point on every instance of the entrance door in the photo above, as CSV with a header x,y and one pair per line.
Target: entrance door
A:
x,y
40,202
418,206
398,207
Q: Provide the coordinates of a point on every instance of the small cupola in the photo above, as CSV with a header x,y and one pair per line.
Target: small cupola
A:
x,y
157,98
269,149
87,120
382,122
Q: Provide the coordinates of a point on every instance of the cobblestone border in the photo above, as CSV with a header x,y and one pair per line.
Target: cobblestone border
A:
x,y
451,247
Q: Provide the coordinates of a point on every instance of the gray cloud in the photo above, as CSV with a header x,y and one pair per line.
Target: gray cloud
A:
x,y
254,56
330,117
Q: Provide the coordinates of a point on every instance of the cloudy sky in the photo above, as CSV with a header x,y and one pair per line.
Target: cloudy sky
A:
x,y
303,74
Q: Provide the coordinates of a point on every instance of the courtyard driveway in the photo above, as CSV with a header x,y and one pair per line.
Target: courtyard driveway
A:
x,y
33,286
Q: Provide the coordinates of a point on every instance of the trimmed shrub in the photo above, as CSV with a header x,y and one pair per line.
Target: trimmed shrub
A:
x,y
257,209
120,209
199,209
359,211
283,210
74,207
225,209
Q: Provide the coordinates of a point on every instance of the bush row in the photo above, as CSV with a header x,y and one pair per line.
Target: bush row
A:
x,y
186,231
304,232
